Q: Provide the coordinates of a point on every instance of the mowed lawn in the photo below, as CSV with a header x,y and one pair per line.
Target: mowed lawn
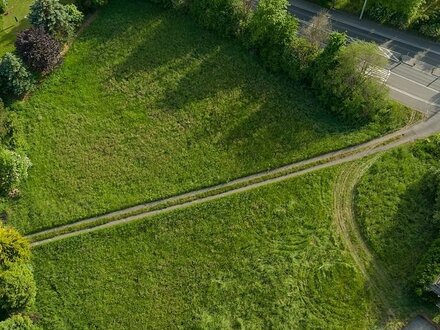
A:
x,y
266,259
147,105
12,23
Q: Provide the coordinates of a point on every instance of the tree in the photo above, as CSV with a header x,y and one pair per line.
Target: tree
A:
x,y
356,94
326,61
17,288
39,51
272,30
18,322
319,29
13,170
15,79
3,6
56,19
14,248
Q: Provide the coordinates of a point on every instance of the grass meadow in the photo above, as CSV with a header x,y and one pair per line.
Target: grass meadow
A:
x,y
147,105
394,209
264,259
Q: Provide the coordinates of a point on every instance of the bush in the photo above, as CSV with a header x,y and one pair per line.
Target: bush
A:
x,y
18,322
14,248
3,6
428,270
272,31
75,16
13,170
59,20
39,51
15,79
224,16
17,288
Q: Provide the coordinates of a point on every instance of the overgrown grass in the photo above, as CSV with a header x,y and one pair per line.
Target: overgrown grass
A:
x,y
394,209
265,259
147,105
9,27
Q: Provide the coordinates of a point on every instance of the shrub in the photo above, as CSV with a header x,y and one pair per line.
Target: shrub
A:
x,y
224,16
55,18
271,31
39,51
18,322
428,270
14,248
13,170
75,16
17,288
3,5
349,88
15,79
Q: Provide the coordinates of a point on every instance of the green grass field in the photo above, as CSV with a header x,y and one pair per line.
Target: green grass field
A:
x,y
9,27
147,105
265,259
394,209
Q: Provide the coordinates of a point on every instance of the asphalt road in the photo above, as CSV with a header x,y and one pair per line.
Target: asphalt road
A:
x,y
414,80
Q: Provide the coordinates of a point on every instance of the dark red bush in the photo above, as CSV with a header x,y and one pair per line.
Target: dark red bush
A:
x,y
38,50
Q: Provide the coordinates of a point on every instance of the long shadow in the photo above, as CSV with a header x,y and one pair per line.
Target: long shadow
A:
x,y
8,36
404,243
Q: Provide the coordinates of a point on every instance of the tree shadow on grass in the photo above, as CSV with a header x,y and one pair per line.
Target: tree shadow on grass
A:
x,y
405,241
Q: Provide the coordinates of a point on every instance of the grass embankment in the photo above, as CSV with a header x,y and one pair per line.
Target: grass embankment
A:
x,y
394,209
9,27
269,258
147,105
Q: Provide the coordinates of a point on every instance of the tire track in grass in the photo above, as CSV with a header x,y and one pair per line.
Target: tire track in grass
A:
x,y
351,236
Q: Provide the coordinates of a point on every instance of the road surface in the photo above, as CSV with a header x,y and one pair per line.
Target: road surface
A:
x,y
414,78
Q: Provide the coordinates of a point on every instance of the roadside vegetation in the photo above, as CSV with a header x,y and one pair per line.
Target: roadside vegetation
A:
x,y
418,15
397,209
263,259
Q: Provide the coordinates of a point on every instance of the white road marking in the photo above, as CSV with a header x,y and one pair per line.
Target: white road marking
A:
x,y
414,97
414,82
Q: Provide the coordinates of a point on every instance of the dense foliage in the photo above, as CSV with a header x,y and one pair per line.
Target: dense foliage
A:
x,y
419,15
13,170
224,16
18,322
3,6
428,270
15,79
17,284
14,248
272,30
59,20
38,50
17,288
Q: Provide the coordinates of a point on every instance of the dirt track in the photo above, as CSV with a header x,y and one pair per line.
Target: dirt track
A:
x,y
387,142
